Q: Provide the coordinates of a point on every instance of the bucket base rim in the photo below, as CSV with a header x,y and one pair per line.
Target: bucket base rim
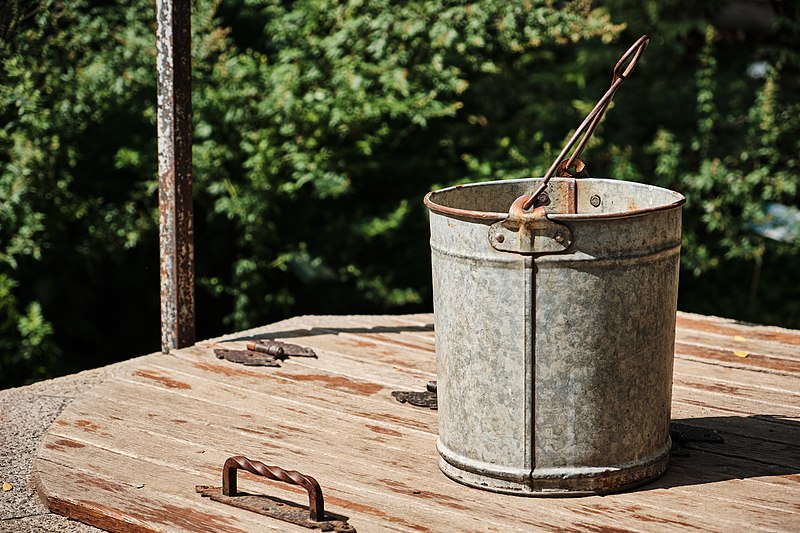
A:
x,y
567,485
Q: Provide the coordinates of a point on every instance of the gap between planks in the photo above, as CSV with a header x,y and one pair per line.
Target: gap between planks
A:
x,y
637,499
317,386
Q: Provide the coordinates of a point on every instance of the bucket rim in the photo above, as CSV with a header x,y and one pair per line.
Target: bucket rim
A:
x,y
498,216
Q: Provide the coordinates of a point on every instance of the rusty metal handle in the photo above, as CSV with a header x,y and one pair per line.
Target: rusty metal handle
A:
x,y
316,505
622,70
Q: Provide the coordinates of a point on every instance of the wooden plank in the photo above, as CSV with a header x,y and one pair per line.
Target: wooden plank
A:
x,y
730,328
733,410
116,504
389,343
739,398
725,357
780,386
739,343
337,423
727,398
355,469
768,452
761,438
180,416
397,512
151,495
705,395
726,403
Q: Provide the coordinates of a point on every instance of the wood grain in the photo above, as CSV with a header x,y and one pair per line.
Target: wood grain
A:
x,y
127,455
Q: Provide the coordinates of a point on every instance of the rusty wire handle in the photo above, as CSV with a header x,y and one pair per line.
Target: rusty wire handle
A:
x,y
316,505
622,70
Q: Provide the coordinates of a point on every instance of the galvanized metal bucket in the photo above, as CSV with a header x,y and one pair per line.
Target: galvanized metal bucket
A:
x,y
555,331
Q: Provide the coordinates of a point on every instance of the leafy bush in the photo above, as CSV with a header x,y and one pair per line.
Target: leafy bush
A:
x,y
319,125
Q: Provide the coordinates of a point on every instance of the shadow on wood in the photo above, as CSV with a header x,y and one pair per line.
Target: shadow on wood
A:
x,y
290,334
746,447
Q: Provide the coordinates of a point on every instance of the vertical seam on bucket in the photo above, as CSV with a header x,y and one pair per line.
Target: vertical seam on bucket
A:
x,y
530,362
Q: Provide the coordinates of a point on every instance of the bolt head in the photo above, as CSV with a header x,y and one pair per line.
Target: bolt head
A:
x,y
559,237
594,200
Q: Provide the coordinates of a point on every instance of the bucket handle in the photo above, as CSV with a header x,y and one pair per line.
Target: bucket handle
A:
x,y
622,70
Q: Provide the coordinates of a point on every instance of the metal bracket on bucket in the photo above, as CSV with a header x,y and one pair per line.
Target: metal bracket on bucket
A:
x,y
529,232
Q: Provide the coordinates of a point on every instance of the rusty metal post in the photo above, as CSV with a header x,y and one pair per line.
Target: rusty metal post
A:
x,y
175,172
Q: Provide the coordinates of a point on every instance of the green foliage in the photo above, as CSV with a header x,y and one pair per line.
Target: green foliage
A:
x,y
26,350
317,141
76,90
712,112
319,125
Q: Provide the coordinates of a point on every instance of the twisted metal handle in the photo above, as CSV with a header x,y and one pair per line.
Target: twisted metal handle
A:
x,y
622,70
316,505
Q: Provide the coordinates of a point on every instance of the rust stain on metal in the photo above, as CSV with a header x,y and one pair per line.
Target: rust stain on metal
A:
x,y
341,383
316,504
384,431
280,348
314,517
622,70
425,399
164,380
269,349
248,357
175,172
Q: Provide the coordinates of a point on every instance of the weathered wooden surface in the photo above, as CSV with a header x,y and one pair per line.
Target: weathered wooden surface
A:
x,y
127,456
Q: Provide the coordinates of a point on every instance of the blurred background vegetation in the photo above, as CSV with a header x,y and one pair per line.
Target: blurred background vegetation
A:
x,y
320,124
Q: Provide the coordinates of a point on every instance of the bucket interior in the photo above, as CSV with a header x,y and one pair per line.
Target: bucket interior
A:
x,y
596,198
